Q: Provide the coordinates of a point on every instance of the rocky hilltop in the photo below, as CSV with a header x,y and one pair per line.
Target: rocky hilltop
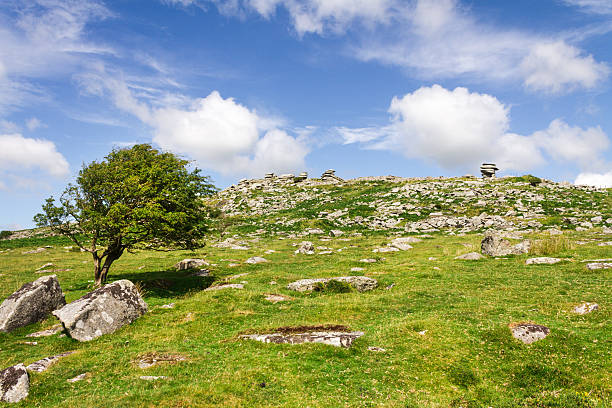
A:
x,y
457,205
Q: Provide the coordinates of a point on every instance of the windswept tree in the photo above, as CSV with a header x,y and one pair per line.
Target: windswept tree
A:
x,y
134,197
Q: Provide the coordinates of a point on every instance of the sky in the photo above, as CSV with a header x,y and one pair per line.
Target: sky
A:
x,y
409,88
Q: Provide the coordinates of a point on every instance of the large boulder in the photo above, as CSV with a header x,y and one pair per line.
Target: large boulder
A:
x,y
14,383
190,263
361,283
494,244
102,311
31,303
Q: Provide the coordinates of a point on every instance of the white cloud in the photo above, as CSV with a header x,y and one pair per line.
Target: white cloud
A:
x,y
592,6
18,153
553,67
595,179
220,134
33,124
459,129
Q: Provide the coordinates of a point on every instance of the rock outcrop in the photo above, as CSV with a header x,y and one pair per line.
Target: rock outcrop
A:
x,y
14,383
102,311
493,244
31,303
190,263
336,338
542,261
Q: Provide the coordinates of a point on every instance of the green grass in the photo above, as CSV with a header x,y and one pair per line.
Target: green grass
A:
x,y
466,357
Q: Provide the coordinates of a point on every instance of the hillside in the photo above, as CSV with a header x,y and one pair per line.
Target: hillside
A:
x,y
436,330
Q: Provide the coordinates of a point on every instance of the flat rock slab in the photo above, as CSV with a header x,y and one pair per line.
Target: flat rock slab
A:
x,y
385,249
332,338
153,377
231,243
227,286
34,251
368,260
542,261
274,298
14,383
191,263
102,311
361,283
471,256
31,303
529,332
256,260
42,365
78,378
153,359
586,308
599,265
49,332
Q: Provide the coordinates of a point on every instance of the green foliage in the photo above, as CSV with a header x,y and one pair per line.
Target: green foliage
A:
x,y
527,178
133,197
5,234
332,286
550,245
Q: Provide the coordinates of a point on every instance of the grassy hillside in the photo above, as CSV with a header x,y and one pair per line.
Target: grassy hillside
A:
x,y
442,322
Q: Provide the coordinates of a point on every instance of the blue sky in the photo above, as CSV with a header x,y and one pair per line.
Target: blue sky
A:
x,y
244,87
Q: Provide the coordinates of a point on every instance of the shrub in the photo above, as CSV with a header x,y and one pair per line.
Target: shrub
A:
x,y
332,286
550,245
5,234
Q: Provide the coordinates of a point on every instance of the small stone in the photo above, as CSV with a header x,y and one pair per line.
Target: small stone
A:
x,y
45,266
34,251
49,332
276,298
77,378
423,332
256,260
332,338
168,306
357,269
153,377
226,286
471,256
542,261
376,349
42,365
586,308
361,283
14,383
385,249
368,260
336,233
529,332
306,248
599,265
190,263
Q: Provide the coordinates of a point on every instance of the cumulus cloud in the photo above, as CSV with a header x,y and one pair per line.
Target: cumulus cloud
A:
x,y
456,129
220,134
33,124
18,153
592,6
556,66
595,179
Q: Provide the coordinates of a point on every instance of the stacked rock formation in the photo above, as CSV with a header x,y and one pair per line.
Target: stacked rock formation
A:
x,y
303,176
488,170
330,175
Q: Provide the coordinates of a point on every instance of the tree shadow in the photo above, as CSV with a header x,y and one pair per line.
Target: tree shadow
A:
x,y
167,283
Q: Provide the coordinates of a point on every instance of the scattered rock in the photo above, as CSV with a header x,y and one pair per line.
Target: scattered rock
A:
x,y
306,248
270,297
151,359
471,256
42,365
385,249
302,335
599,265
77,378
542,261
31,303
529,332
608,243
226,286
191,264
49,332
153,377
376,349
586,308
368,260
14,383
102,311
357,269
168,306
35,251
45,266
361,283
231,243
423,332
494,244
336,233
315,231
256,260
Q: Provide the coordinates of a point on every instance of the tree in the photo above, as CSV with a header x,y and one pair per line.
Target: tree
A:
x,y
132,198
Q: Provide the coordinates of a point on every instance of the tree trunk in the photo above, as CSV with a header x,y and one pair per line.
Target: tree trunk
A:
x,y
101,270
97,270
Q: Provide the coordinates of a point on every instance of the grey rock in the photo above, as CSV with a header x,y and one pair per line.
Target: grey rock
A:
x,y
14,383
493,244
529,332
31,303
77,378
585,308
45,266
231,243
332,338
544,260
385,249
256,260
361,283
336,233
274,298
471,256
226,286
153,377
34,251
599,265
42,365
306,248
190,263
357,269
49,332
102,311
